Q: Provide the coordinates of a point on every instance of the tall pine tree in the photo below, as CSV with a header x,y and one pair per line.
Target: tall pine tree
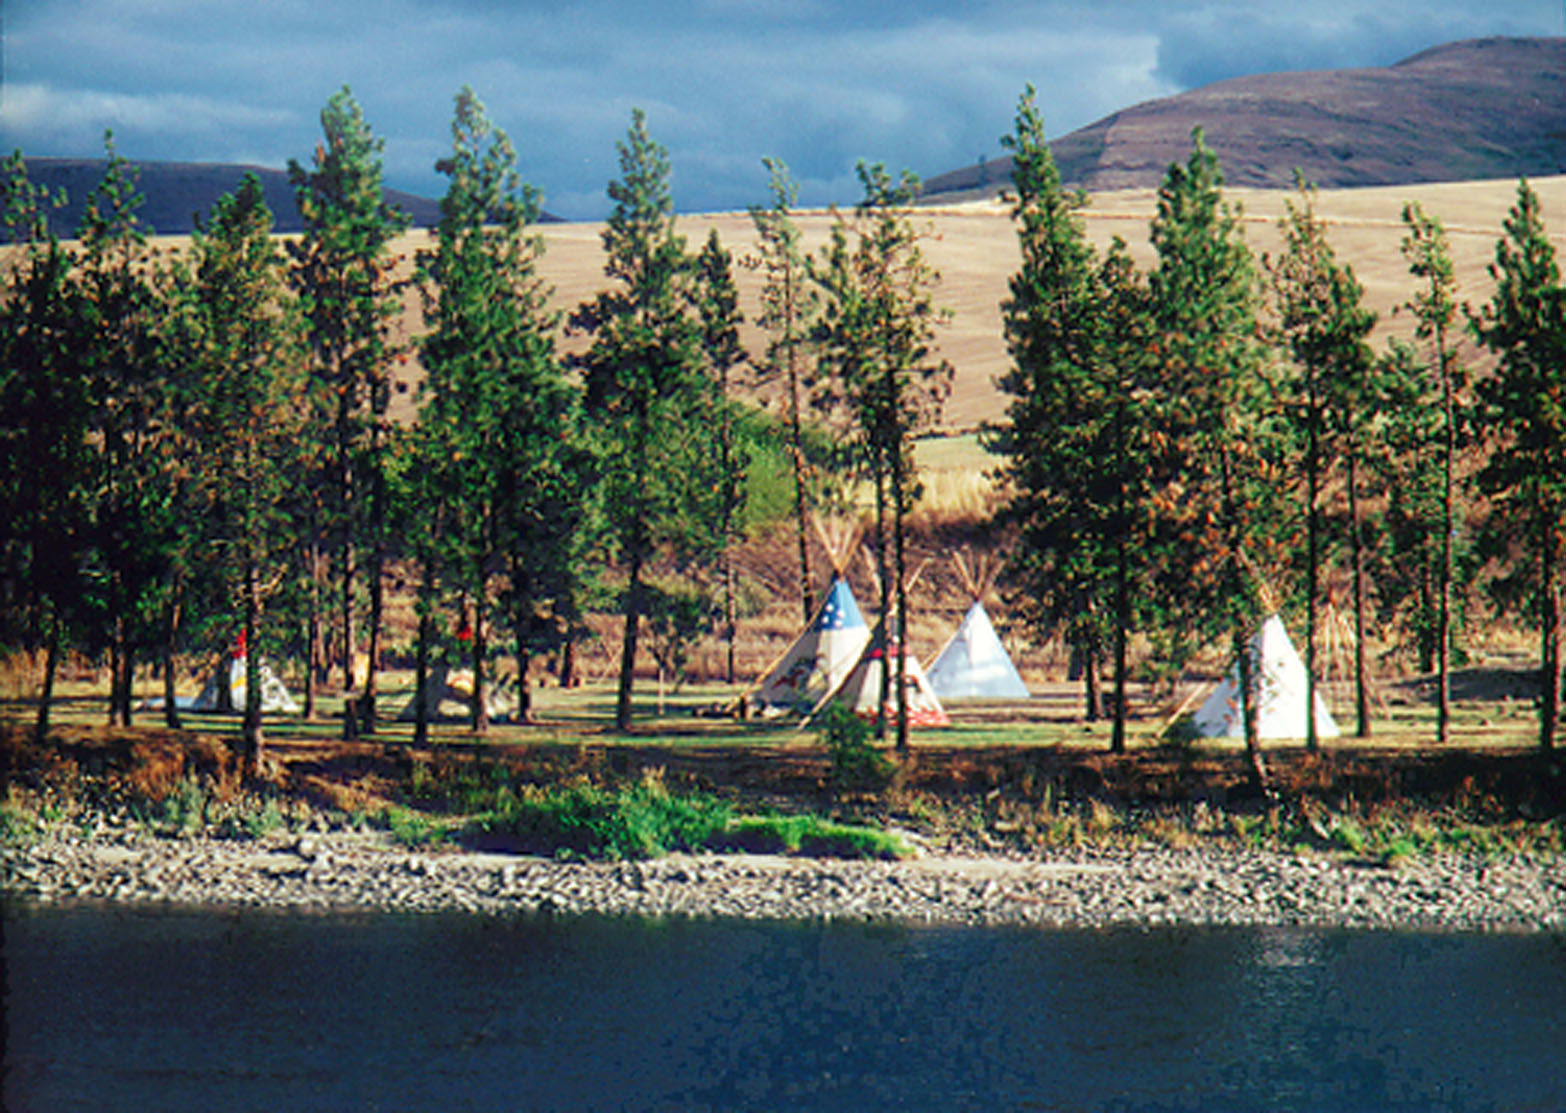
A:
x,y
1522,411
1434,305
344,274
647,398
877,335
1322,322
1218,472
248,419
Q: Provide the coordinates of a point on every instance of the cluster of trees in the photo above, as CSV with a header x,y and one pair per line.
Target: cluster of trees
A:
x,y
1192,447
200,444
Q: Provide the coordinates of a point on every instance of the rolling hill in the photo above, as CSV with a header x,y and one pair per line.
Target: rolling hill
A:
x,y
176,191
1477,109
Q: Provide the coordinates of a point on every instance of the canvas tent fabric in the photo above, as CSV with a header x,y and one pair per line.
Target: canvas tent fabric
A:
x,y
1280,693
974,664
450,695
820,658
225,690
862,687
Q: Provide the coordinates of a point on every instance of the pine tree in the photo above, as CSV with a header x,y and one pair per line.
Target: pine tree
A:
x,y
1522,410
717,308
789,306
1073,444
45,416
343,272
118,340
1218,472
877,334
648,401
1321,320
1434,305
248,418
497,402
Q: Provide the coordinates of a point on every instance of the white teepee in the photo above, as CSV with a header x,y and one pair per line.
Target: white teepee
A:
x,y
1280,693
448,694
862,687
225,689
974,664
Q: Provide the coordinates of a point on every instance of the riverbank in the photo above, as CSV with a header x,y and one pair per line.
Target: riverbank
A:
x,y
1086,887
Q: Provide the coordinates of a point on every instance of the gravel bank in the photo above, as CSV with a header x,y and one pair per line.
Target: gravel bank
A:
x,y
1150,886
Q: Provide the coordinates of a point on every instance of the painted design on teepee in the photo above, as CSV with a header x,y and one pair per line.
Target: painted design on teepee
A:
x,y
1280,693
826,650
974,663
819,659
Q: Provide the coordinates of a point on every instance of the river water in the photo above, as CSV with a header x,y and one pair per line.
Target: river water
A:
x,y
118,1007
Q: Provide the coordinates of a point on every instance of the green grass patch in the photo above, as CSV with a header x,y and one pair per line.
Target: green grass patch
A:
x,y
809,835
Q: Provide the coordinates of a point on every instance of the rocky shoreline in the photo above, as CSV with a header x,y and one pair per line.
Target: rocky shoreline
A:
x,y
1147,886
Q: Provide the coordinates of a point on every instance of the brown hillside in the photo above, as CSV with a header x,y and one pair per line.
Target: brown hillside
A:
x,y
1482,108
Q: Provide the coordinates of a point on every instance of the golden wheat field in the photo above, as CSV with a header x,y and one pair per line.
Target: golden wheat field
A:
x,y
974,247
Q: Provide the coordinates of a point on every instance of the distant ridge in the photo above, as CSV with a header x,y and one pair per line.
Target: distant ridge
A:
x,y
176,191
1471,110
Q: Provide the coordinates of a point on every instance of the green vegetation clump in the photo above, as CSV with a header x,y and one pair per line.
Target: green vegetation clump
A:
x,y
856,763
643,820
581,819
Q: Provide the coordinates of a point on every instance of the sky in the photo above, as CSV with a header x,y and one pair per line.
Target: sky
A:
x,y
912,84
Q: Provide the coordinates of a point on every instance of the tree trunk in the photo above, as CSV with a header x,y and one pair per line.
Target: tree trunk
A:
x,y
729,626
633,617
372,666
1248,709
480,652
1117,731
312,621
1312,570
170,631
1356,549
797,451
1550,647
51,667
127,683
421,681
115,639
1444,621
568,660
902,601
251,739
520,624
885,590
1092,703
377,586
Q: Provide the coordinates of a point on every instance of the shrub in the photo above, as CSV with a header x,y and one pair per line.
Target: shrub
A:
x,y
1347,835
808,834
17,827
636,821
262,821
413,829
856,763
184,808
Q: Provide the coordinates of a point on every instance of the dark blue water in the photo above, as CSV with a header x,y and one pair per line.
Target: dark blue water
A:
x,y
110,1008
